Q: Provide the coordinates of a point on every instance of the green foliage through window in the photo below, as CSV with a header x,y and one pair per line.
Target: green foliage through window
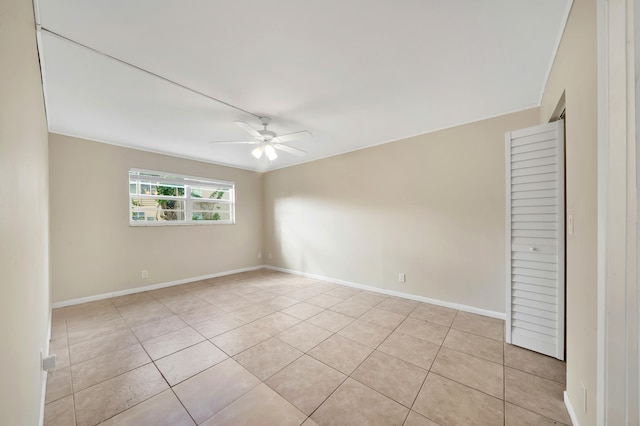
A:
x,y
206,215
168,207
160,198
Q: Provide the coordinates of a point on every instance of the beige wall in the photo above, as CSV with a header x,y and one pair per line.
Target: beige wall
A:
x,y
24,251
432,207
94,250
574,73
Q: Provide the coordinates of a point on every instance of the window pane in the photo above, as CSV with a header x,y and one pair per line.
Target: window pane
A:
x,y
145,188
206,210
143,209
211,216
170,190
212,193
170,210
144,215
224,216
209,206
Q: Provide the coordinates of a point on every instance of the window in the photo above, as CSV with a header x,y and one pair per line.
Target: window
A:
x,y
158,198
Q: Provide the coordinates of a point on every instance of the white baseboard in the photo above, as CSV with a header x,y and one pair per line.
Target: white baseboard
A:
x,y
150,287
43,393
570,410
45,352
457,306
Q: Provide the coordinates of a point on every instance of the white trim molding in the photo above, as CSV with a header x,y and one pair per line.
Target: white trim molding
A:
x,y
570,410
618,361
452,305
151,287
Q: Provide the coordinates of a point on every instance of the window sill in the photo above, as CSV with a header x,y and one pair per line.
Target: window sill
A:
x,y
177,223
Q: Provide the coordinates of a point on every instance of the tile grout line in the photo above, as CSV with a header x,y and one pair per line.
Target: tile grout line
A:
x,y
349,376
73,394
190,291
429,371
118,375
151,361
182,404
261,381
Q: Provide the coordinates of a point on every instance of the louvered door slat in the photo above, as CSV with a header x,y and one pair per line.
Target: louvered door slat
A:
x,y
534,273
540,177
534,217
535,225
537,202
533,296
534,138
535,233
535,210
534,186
535,238
534,256
524,245
532,288
535,307
539,266
540,244
530,155
528,171
535,321
523,337
551,331
541,283
537,146
521,195
546,161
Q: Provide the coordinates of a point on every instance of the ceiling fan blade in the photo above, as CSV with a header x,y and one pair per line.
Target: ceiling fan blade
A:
x,y
247,128
289,149
292,136
234,142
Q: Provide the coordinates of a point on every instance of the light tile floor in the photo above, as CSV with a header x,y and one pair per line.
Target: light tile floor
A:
x,y
271,348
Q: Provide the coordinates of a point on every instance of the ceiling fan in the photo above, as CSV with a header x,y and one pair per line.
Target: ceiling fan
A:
x,y
268,141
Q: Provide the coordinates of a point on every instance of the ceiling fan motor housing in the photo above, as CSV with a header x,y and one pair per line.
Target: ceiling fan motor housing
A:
x,y
267,135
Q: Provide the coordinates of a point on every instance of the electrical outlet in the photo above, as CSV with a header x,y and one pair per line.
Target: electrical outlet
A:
x,y
145,274
270,256
401,277
259,255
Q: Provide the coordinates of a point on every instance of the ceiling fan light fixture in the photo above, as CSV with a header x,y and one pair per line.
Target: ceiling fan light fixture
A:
x,y
268,142
271,152
258,152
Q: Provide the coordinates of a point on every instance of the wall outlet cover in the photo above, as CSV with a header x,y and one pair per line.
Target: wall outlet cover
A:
x,y
49,362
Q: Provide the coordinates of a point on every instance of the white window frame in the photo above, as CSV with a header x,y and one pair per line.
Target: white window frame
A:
x,y
188,182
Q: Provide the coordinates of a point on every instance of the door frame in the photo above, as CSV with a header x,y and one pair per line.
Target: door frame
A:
x,y
618,365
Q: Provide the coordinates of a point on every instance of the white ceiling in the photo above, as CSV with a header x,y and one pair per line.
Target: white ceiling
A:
x,y
354,73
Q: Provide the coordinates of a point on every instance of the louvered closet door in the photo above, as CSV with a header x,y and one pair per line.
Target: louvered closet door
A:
x,y
535,238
